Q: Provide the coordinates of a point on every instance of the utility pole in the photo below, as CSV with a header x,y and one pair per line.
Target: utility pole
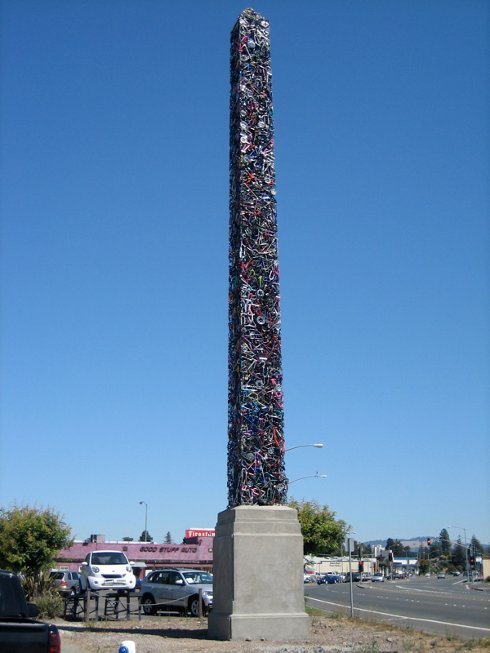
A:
x,y
146,519
349,549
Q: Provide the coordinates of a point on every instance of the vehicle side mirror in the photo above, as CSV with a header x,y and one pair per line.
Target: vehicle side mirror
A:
x,y
179,581
32,610
84,564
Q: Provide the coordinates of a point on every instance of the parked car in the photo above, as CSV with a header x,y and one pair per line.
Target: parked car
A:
x,y
66,582
356,577
334,578
378,577
106,570
329,578
310,578
399,575
177,589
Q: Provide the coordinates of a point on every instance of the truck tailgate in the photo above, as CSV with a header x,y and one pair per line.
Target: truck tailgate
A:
x,y
23,637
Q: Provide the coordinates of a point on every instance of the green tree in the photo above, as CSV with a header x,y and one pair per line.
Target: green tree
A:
x,y
476,546
423,566
436,548
29,540
445,542
361,550
127,539
322,533
145,537
458,554
396,546
168,538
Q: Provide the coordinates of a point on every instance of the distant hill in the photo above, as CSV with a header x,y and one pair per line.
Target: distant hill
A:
x,y
414,542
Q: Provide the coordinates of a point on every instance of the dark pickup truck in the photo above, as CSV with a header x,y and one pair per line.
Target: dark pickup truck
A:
x,y
20,631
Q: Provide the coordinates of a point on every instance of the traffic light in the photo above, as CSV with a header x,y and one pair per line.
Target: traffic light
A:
x,y
472,561
361,565
429,541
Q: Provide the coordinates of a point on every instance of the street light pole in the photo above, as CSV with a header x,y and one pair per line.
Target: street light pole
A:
x,y
310,476
317,445
146,519
351,591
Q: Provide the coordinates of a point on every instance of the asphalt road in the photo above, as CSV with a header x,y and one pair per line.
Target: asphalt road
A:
x,y
442,606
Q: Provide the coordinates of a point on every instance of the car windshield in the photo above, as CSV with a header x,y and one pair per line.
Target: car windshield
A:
x,y
200,577
109,558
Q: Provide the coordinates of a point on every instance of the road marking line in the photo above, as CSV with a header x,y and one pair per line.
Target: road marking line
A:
x,y
398,616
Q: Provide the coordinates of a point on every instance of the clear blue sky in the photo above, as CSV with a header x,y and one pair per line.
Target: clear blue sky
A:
x,y
114,226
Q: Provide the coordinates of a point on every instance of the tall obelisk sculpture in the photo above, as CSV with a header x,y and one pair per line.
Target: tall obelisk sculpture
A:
x,y
255,408
258,548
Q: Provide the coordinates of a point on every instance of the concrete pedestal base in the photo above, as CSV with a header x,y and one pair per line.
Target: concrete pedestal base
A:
x,y
258,575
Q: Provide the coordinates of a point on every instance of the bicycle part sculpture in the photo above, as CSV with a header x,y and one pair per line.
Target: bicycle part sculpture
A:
x,y
256,473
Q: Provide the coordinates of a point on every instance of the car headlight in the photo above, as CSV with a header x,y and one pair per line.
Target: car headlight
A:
x,y
96,569
128,568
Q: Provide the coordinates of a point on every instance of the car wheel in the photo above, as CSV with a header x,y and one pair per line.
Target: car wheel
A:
x,y
194,606
148,603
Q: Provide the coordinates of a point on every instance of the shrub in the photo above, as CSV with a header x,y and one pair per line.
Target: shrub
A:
x,y
42,591
50,604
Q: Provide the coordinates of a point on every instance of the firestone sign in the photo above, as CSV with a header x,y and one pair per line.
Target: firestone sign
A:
x,y
199,532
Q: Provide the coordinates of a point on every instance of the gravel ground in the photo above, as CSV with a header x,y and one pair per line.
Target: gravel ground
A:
x,y
332,634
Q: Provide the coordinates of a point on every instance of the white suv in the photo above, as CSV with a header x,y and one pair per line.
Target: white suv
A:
x,y
103,570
